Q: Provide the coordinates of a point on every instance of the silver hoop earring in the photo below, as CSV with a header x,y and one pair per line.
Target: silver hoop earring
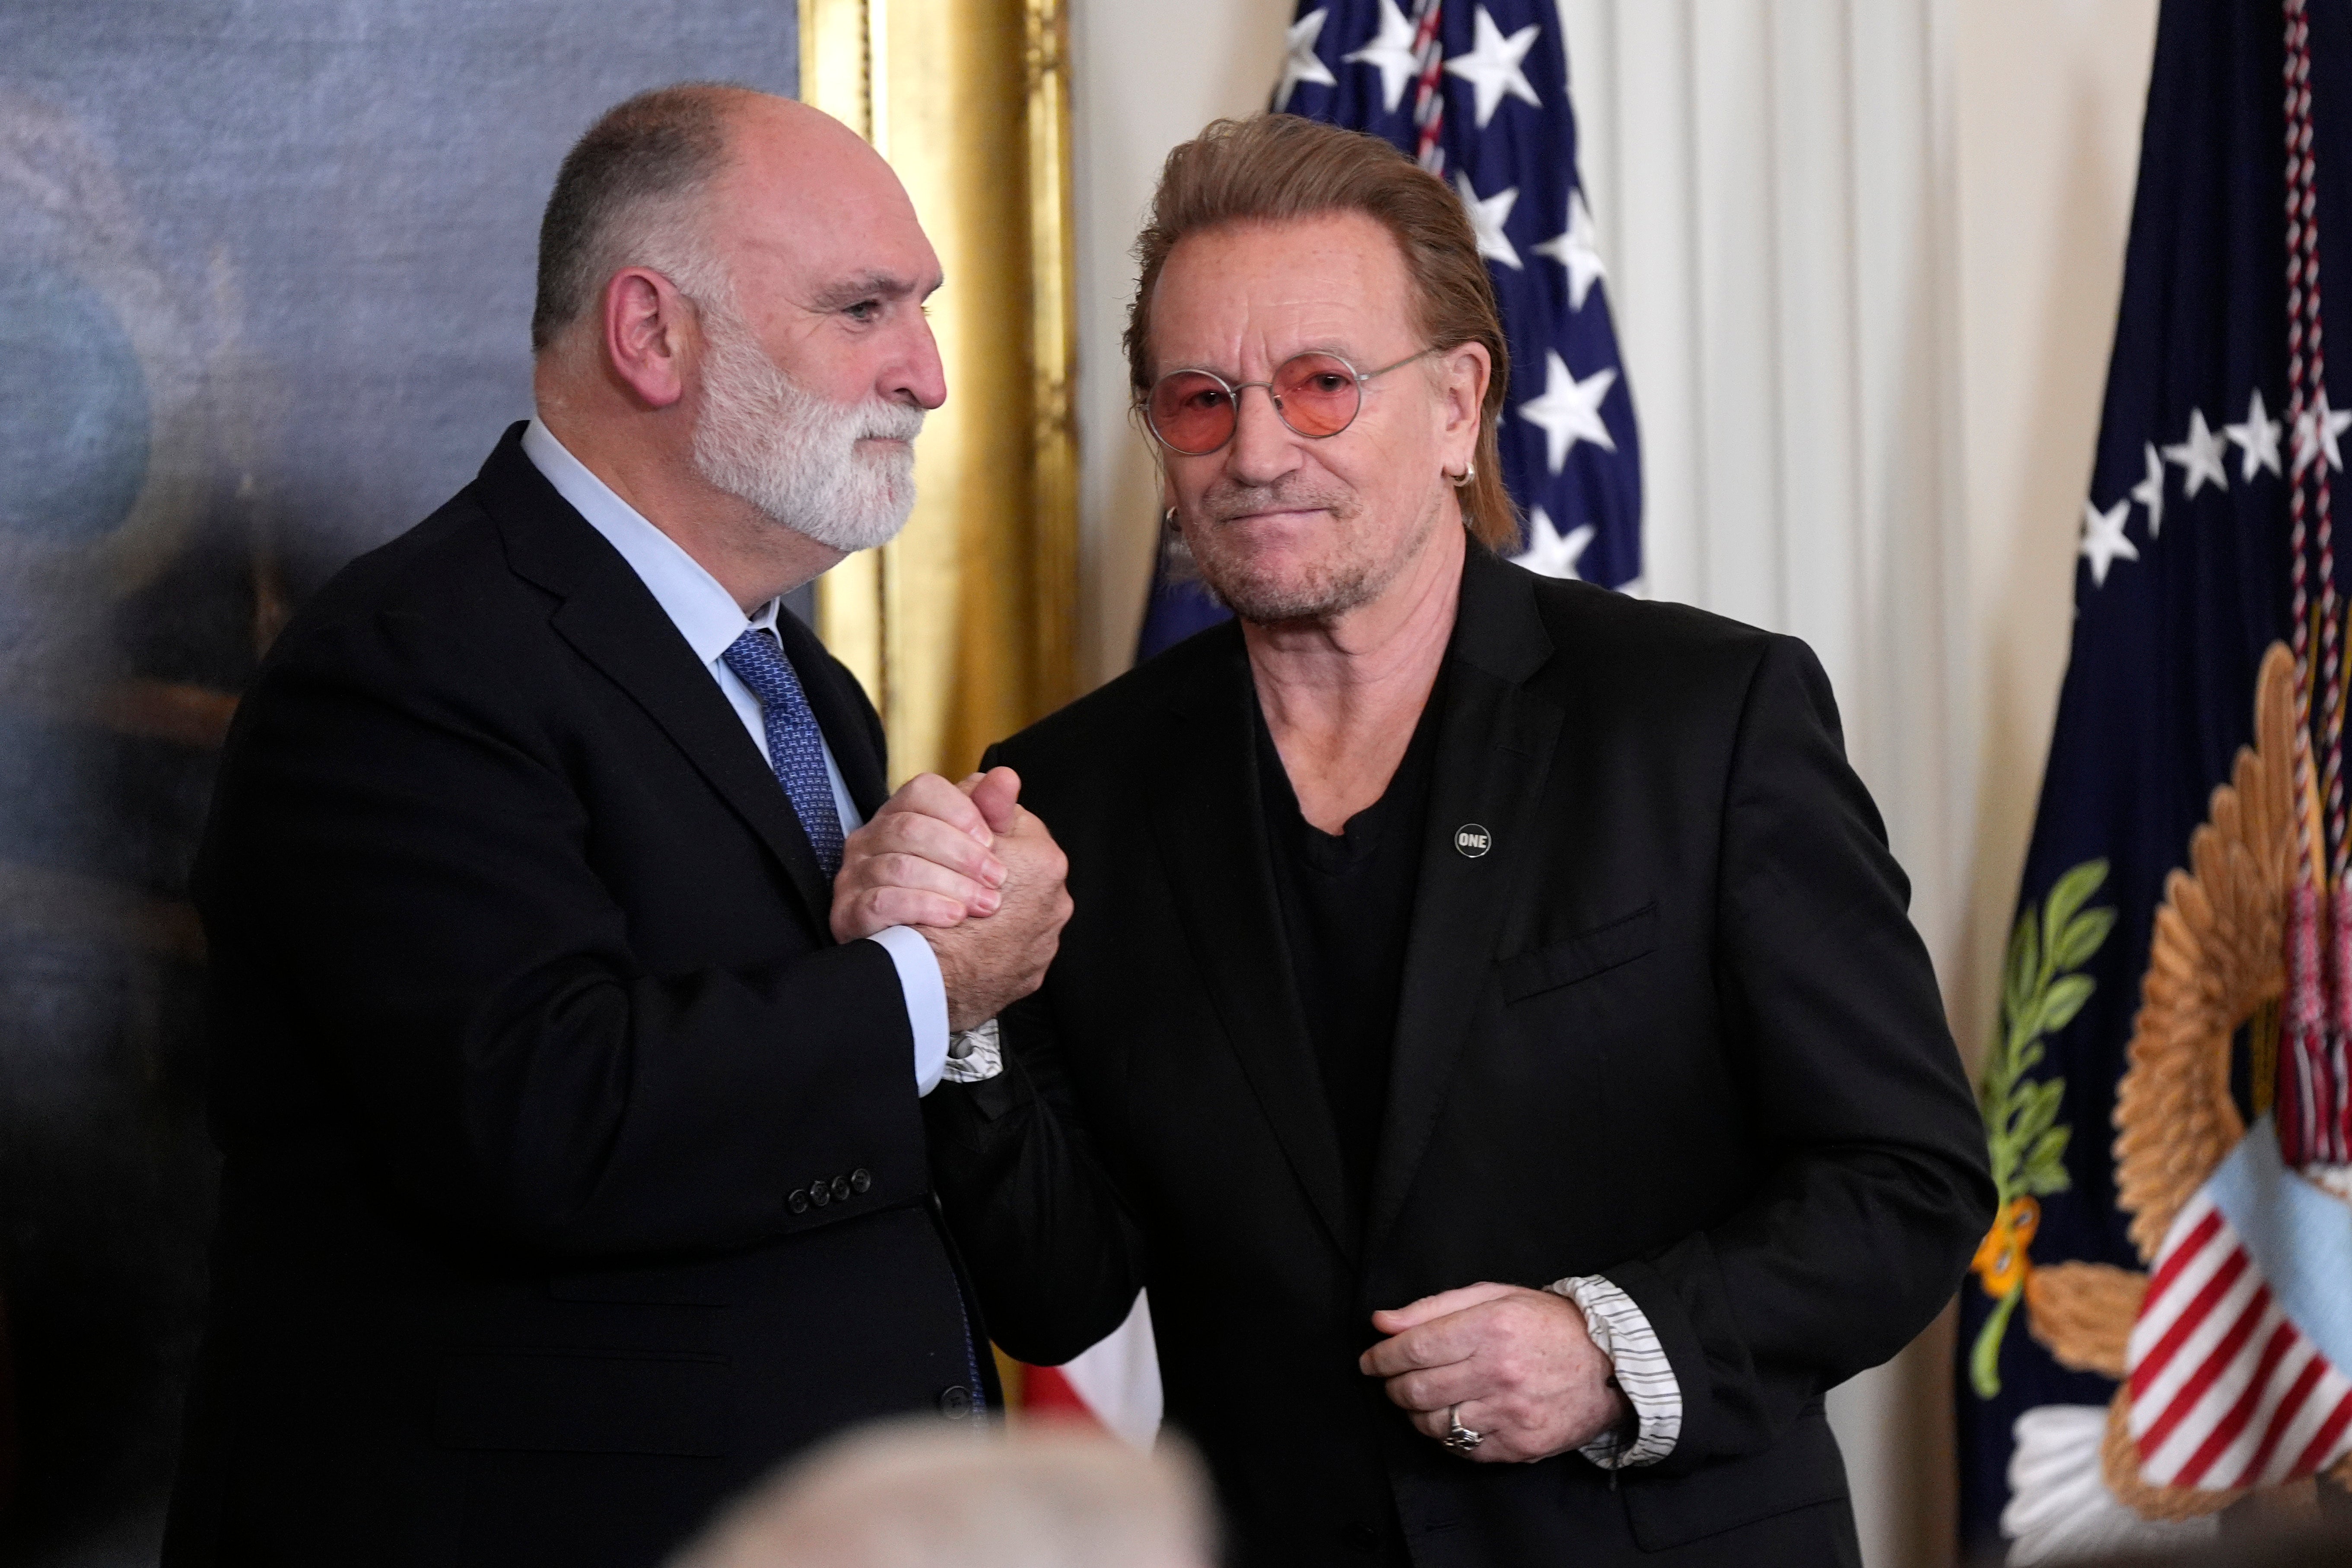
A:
x,y
1469,472
1167,519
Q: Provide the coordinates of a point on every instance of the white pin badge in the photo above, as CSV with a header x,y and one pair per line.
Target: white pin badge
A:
x,y
1471,841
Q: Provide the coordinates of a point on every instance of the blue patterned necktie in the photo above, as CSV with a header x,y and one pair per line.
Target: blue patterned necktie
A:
x,y
796,744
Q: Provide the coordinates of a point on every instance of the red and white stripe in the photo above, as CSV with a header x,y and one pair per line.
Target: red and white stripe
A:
x,y
2226,1392
1114,1382
1428,98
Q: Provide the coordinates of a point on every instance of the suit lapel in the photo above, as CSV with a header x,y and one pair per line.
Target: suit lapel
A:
x,y
1212,842
1495,743
613,621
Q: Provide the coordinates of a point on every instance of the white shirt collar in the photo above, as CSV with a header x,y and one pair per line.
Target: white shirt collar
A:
x,y
704,613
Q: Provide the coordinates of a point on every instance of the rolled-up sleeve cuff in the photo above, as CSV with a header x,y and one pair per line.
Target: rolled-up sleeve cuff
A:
x,y
927,1001
1622,1332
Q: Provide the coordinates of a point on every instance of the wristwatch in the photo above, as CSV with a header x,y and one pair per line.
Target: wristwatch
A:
x,y
974,1055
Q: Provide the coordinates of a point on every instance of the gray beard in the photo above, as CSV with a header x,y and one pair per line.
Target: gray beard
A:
x,y
792,455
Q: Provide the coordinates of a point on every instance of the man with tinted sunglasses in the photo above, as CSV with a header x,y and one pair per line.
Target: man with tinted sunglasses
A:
x,y
1489,1024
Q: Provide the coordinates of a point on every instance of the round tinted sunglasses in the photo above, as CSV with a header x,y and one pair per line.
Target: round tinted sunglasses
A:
x,y
1195,412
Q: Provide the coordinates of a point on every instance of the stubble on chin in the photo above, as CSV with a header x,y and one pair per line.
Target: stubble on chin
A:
x,y
1351,571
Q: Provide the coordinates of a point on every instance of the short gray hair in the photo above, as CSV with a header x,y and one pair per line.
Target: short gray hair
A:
x,y
917,1494
623,198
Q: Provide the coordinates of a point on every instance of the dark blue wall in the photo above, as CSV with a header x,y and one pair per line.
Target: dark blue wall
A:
x,y
265,290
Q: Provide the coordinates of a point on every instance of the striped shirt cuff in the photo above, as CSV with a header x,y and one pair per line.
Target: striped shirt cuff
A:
x,y
1624,1335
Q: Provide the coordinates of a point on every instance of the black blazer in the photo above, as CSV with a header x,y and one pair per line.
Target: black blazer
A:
x,y
530,1045
1673,1027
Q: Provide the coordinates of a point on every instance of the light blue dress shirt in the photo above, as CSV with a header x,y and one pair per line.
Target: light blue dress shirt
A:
x,y
710,620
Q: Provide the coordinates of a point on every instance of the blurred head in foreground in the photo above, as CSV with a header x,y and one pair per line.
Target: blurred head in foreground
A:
x,y
913,1496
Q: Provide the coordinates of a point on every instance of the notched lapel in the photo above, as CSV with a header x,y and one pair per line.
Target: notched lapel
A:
x,y
1494,745
613,621
1212,842
638,647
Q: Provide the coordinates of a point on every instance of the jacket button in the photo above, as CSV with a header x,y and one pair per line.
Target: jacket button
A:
x,y
820,1193
799,1201
1360,1537
860,1179
841,1188
955,1401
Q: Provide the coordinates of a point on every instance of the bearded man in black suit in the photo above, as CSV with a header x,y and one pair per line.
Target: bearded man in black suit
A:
x,y
1490,1025
574,1168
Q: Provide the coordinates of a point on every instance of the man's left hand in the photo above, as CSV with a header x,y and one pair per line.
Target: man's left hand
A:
x,y
1517,1364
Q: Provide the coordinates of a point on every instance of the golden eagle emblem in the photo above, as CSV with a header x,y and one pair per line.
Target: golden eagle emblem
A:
x,y
2216,976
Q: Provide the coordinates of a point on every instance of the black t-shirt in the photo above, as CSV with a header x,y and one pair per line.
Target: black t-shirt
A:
x,y
1346,911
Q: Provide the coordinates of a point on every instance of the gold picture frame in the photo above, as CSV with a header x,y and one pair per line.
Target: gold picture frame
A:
x,y
965,628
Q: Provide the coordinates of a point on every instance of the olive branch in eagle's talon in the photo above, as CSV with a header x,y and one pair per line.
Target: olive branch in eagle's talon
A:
x,y
2042,990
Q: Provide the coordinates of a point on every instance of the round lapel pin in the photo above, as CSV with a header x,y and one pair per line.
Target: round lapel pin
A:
x,y
1471,841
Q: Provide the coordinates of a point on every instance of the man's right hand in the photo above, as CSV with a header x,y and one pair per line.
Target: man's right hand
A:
x,y
991,962
924,860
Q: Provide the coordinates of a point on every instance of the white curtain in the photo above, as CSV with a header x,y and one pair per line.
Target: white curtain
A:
x,y
1773,186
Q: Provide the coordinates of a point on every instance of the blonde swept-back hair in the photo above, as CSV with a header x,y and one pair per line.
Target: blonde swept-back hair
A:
x,y
1273,168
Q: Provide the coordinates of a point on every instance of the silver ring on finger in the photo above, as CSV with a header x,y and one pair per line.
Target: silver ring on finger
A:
x,y
1459,1437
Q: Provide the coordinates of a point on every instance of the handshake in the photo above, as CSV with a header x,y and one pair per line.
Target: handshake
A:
x,y
972,871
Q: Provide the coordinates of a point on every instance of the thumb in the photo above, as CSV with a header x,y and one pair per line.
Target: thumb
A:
x,y
998,796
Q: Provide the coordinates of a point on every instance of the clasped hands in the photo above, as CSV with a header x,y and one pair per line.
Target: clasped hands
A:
x,y
981,879
1513,1364
972,870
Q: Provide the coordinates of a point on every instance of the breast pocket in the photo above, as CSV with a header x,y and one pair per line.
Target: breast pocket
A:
x,y
1605,946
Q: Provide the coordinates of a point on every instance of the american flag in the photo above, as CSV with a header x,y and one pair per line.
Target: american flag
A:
x,y
1477,91
2234,1357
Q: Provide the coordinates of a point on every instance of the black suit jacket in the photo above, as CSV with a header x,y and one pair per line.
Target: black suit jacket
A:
x,y
528,1030
1673,1027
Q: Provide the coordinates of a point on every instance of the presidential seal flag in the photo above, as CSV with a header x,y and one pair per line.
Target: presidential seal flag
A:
x,y
2161,1320
1477,91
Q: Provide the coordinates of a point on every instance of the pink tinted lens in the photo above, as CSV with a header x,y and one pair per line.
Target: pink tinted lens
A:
x,y
1191,412
1317,393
